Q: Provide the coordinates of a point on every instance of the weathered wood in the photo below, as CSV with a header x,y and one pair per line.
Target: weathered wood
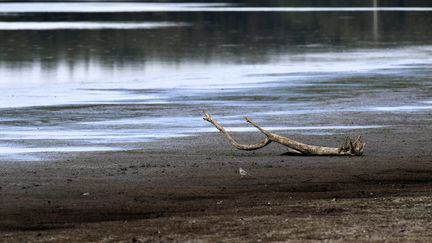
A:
x,y
240,146
349,147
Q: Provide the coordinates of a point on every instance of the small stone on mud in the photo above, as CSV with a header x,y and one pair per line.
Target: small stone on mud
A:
x,y
242,172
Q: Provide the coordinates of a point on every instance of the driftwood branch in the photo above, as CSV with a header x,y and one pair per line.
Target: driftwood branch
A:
x,y
348,148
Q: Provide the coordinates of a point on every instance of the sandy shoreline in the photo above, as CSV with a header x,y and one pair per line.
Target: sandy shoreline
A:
x,y
189,189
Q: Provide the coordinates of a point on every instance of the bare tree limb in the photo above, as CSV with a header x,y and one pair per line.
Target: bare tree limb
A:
x,y
240,146
349,148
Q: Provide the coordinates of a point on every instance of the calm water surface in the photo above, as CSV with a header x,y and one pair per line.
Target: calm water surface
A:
x,y
113,76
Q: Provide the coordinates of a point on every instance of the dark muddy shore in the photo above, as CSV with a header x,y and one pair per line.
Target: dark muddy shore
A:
x,y
188,189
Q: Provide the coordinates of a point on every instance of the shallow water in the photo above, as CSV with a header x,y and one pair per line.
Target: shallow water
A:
x,y
96,76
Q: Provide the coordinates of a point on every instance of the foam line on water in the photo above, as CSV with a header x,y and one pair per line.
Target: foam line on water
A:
x,y
101,7
100,136
292,128
22,150
404,108
86,25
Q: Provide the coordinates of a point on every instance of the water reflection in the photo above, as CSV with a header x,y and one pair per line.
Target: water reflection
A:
x,y
296,66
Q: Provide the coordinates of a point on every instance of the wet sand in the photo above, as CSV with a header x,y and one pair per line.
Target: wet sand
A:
x,y
188,189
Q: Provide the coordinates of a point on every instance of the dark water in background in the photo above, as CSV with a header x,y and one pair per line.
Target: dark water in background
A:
x,y
103,76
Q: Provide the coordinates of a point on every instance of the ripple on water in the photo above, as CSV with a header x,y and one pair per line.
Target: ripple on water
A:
x,y
86,25
96,7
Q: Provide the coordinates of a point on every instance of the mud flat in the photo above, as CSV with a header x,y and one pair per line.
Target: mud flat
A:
x,y
188,189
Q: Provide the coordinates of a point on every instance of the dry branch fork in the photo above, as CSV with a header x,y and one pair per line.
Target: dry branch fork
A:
x,y
349,147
